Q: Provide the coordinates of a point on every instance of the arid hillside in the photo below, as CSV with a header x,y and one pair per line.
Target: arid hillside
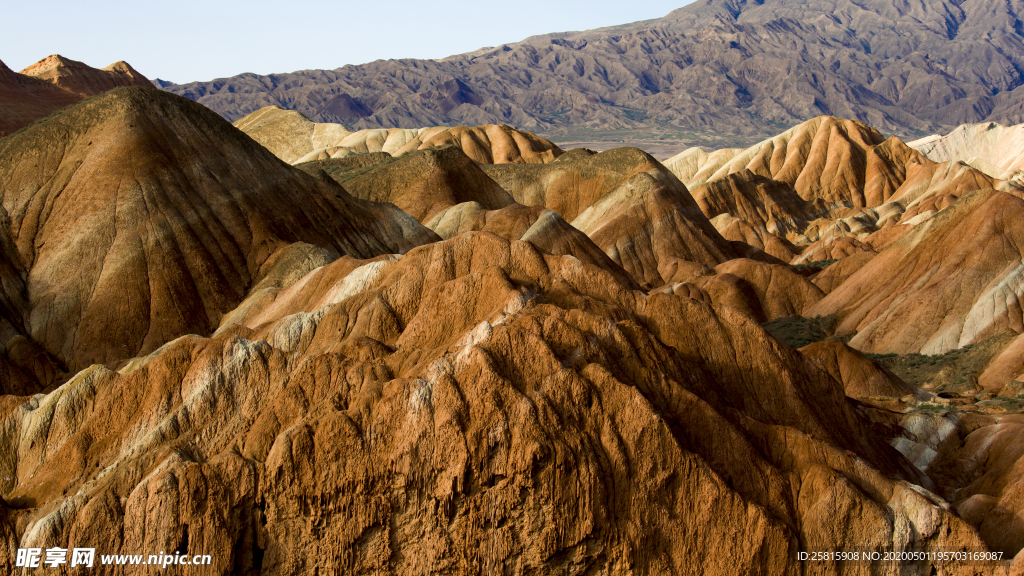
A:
x,y
438,362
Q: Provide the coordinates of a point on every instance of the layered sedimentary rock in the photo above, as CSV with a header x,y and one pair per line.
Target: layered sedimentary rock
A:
x,y
820,190
952,280
289,135
426,182
83,80
167,216
474,405
861,378
630,205
423,364
24,99
994,149
837,161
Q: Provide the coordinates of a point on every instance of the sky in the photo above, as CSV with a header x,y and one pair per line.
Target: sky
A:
x,y
188,40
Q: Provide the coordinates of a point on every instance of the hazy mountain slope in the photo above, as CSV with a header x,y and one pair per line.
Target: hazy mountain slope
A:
x,y
719,66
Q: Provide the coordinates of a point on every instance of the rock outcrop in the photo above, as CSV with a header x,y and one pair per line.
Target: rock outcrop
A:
x,y
83,80
423,364
288,134
24,99
630,205
992,148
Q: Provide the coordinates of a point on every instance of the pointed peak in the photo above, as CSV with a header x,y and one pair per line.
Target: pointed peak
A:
x,y
52,62
122,66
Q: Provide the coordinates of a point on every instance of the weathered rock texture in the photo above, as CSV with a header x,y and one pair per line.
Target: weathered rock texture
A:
x,y
820,190
209,351
83,80
289,134
474,406
994,149
953,280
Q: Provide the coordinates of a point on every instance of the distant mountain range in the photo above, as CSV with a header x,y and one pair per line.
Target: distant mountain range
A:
x,y
733,69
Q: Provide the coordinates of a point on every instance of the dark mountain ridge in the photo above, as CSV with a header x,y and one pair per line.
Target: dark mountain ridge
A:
x,y
743,69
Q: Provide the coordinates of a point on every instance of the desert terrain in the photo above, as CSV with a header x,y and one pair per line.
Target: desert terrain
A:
x,y
311,343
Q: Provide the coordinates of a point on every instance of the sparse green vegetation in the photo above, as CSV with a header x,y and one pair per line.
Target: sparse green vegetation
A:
x,y
934,408
953,371
796,331
812,268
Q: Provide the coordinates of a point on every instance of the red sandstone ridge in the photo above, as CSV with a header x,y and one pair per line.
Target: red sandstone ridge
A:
x,y
24,99
82,79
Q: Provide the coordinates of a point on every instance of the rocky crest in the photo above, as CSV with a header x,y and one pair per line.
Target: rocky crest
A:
x,y
53,83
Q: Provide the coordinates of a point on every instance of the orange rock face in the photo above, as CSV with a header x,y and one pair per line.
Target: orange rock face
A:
x,y
492,144
472,405
24,99
859,375
630,205
422,365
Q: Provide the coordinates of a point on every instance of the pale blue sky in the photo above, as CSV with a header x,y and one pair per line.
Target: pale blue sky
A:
x,y
190,40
